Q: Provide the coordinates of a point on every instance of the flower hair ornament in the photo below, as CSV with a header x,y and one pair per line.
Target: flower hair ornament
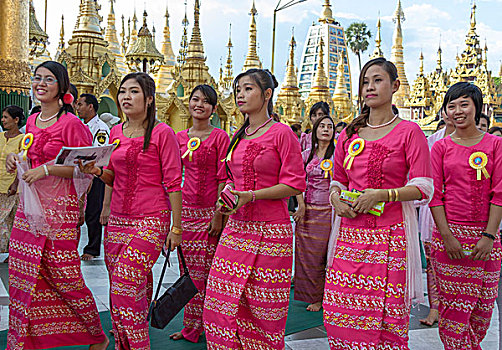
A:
x,y
68,98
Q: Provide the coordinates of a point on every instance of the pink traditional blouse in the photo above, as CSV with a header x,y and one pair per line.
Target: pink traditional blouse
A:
x,y
143,178
67,131
205,171
306,141
317,191
271,159
388,162
466,199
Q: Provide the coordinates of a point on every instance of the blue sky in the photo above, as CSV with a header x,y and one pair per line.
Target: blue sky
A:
x,y
427,22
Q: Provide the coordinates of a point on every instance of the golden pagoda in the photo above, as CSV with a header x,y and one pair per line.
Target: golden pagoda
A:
x,y
289,104
165,75
14,54
184,40
227,76
252,59
90,63
397,57
320,90
438,83
143,56
420,101
38,40
378,42
343,108
113,43
173,106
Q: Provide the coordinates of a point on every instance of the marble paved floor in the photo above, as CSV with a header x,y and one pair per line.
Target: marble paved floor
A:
x,y
421,338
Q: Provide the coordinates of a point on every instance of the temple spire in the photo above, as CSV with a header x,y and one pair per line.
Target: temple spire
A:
x,y
439,66
472,29
327,13
341,98
421,68
195,47
61,35
184,40
291,78
88,21
320,79
252,59
397,57
113,43
378,42
167,48
228,76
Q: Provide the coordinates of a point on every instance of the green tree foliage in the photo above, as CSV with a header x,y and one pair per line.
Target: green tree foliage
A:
x,y
358,37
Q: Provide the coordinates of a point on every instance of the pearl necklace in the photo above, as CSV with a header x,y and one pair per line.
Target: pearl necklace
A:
x,y
258,128
47,119
382,125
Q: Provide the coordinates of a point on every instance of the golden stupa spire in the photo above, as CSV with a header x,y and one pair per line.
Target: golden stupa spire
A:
x,y
291,78
195,47
378,42
472,29
320,79
289,103
397,57
113,43
327,13
88,21
61,35
485,56
167,48
439,66
252,59
133,37
421,67
123,45
228,76
143,55
341,98
184,39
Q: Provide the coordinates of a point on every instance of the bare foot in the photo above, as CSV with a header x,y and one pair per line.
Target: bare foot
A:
x,y
176,336
101,346
315,306
87,257
431,318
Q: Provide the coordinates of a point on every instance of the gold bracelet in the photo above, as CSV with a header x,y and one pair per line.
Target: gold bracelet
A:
x,y
397,195
176,230
390,195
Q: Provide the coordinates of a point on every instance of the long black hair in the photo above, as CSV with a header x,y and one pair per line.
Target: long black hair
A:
x,y
362,118
63,81
148,86
264,80
315,141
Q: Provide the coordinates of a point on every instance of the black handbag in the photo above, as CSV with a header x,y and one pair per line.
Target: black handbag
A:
x,y
163,310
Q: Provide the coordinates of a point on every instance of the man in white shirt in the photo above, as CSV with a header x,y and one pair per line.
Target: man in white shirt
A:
x,y
87,107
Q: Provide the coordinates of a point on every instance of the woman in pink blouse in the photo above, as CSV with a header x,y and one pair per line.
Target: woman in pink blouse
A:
x,y
144,167
467,208
318,110
313,217
50,305
248,288
202,147
374,268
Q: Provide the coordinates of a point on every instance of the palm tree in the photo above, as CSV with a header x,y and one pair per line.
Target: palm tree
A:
x,y
357,38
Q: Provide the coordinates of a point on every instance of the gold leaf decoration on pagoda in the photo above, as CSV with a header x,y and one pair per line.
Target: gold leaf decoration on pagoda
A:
x,y
38,40
113,42
378,42
166,73
343,108
420,100
289,104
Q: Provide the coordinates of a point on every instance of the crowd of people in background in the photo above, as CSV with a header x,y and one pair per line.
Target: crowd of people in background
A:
x,y
350,224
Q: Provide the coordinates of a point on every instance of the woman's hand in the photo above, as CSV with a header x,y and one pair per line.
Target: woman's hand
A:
x,y
105,214
172,241
483,249
368,199
341,209
81,215
11,162
300,212
13,188
244,198
216,225
32,175
453,247
89,168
